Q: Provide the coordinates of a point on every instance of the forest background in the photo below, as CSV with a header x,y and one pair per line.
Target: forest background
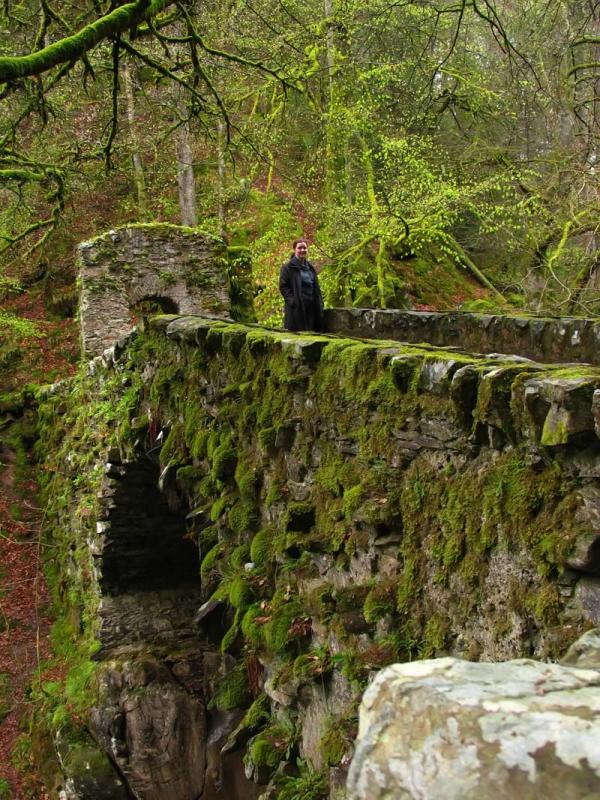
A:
x,y
437,154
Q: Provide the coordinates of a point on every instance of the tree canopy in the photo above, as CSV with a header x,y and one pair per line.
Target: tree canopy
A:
x,y
397,133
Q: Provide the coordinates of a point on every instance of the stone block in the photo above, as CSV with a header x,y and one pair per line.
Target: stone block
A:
x,y
447,729
547,340
154,730
556,409
436,374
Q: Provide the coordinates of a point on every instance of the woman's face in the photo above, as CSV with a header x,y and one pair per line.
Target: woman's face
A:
x,y
301,251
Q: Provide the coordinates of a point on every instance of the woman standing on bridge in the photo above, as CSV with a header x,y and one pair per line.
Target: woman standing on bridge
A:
x,y
299,285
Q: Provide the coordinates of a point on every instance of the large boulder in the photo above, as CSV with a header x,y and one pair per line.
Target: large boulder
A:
x,y
153,729
456,730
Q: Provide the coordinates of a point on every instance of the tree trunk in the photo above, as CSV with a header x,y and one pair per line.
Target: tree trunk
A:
x,y
138,169
186,183
221,179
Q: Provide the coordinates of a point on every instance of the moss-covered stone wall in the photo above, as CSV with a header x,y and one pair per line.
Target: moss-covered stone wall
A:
x,y
547,339
354,503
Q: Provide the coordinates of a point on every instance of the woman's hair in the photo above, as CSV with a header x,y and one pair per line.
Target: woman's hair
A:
x,y
297,241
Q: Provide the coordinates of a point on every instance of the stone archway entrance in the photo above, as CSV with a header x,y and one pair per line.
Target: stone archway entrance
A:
x,y
184,269
157,671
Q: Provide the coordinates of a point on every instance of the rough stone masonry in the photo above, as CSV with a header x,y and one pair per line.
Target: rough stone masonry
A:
x,y
182,270
351,504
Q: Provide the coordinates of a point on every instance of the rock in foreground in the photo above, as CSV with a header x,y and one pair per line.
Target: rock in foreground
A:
x,y
457,730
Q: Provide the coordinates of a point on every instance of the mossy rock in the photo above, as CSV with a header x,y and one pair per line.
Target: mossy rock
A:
x,y
210,560
380,601
241,592
253,630
224,460
261,549
242,517
232,690
269,748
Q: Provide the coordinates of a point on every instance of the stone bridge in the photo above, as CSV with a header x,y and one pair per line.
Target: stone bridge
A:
x,y
251,523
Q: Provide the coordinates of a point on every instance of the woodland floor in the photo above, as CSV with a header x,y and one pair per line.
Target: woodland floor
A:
x,y
24,625
24,600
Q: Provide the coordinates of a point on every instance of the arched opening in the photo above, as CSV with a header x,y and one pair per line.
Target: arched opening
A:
x,y
154,723
153,304
147,547
149,565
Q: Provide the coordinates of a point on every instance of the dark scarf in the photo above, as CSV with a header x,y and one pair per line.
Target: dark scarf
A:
x,y
297,263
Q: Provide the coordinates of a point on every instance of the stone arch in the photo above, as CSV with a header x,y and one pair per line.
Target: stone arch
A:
x,y
163,305
146,547
147,564
184,268
157,673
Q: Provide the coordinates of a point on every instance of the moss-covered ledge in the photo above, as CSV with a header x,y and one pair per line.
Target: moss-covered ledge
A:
x,y
352,503
546,339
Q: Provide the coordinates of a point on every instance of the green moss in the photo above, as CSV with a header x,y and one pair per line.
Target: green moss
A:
x,y
240,593
232,690
279,634
264,754
224,461
349,598
313,665
207,538
271,746
242,517
261,549
351,665
352,500
230,636
407,584
555,431
380,601
252,630
308,785
219,507
246,478
545,604
173,450
434,639
337,739
267,436
240,556
274,494
189,477
210,560
80,689
213,440
258,714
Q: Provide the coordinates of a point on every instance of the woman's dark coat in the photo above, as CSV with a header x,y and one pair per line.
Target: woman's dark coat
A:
x,y
290,285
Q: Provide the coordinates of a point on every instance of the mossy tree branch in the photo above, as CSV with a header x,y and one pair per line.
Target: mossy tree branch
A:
x,y
29,172
72,48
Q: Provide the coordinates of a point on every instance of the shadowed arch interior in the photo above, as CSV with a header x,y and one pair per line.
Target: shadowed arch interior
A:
x,y
147,546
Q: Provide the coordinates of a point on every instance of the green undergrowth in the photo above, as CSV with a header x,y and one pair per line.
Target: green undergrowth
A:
x,y
441,284
293,458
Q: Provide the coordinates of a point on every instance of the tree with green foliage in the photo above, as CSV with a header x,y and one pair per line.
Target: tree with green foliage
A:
x,y
396,134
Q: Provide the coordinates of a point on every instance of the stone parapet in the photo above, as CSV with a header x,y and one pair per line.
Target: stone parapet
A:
x,y
550,340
